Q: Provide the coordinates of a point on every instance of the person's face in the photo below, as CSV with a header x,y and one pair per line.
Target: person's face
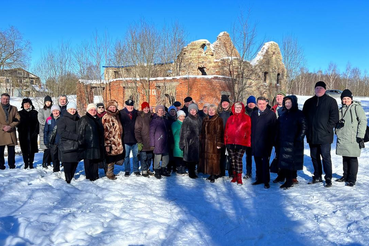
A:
x,y
262,104
319,91
212,111
187,103
205,110
62,101
181,118
178,108
26,106
5,100
129,108
237,108
47,104
193,112
56,113
347,100
112,108
160,112
100,109
251,105
92,111
146,110
225,105
72,111
279,99
172,112
288,104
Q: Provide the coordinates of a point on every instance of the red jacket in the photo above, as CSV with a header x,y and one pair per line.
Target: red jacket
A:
x,y
238,129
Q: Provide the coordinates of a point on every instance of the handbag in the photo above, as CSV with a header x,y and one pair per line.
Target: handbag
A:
x,y
366,136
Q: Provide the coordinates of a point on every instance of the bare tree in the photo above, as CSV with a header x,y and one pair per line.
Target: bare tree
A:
x,y
293,59
14,49
332,74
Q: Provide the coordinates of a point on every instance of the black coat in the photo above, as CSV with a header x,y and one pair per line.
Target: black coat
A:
x,y
91,137
321,115
128,125
67,128
225,115
28,129
190,138
290,137
263,129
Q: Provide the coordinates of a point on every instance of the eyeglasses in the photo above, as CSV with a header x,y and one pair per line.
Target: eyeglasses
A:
x,y
100,107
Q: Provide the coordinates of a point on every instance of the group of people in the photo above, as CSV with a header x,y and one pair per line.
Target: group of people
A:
x,y
176,139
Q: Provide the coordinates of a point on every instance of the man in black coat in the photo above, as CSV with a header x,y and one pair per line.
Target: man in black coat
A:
x,y
128,117
263,128
321,112
187,102
225,111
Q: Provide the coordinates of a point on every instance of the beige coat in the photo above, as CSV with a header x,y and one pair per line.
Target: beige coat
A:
x,y
9,138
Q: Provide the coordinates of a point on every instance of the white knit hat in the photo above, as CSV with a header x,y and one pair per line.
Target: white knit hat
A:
x,y
90,106
180,112
55,107
71,105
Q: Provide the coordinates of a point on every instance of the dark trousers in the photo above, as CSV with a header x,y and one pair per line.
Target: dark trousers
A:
x,y
69,170
350,168
145,159
191,168
262,169
46,159
324,151
54,155
91,169
225,164
28,159
11,157
248,160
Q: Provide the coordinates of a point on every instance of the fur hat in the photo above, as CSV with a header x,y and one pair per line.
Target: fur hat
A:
x,y
346,93
159,107
90,106
225,98
145,105
251,99
112,103
27,100
71,105
129,102
188,99
181,112
55,107
320,83
193,106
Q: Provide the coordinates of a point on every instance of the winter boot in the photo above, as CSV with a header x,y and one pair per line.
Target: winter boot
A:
x,y
110,171
165,172
145,173
239,178
234,180
158,173
44,165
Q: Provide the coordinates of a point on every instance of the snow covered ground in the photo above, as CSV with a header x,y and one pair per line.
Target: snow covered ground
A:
x,y
39,208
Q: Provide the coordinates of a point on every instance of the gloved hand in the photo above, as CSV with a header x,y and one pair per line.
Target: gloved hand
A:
x,y
361,143
140,146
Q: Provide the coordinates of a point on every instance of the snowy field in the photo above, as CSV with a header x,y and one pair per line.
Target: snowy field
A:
x,y
39,208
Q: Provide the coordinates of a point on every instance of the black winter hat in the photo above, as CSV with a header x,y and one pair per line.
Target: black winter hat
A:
x,y
346,93
100,105
27,100
320,83
48,99
225,98
188,99
129,102
177,104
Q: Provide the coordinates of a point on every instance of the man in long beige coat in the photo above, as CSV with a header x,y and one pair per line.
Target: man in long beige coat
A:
x,y
9,119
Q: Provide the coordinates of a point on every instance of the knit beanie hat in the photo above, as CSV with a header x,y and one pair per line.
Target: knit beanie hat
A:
x,y
71,105
281,93
251,99
346,93
172,107
90,106
193,106
320,83
159,107
100,105
181,112
55,107
48,99
225,98
145,105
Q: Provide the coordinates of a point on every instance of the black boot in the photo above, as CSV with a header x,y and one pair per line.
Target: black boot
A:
x,y
158,173
164,172
44,165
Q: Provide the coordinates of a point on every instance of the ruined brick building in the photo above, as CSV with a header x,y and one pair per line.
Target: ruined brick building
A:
x,y
202,70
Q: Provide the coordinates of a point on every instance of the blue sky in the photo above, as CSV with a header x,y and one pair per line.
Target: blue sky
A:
x,y
329,31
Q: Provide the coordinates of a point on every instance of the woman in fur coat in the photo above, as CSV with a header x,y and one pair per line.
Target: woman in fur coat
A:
x,y
212,140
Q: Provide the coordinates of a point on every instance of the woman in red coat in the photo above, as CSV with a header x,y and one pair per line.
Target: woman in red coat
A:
x,y
237,136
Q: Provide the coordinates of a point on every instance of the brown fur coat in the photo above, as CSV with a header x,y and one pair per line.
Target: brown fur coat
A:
x,y
113,133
